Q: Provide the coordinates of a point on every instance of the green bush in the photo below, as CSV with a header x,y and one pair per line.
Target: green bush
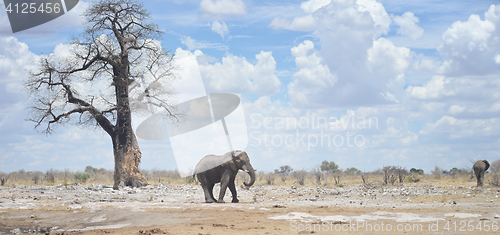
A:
x,y
82,177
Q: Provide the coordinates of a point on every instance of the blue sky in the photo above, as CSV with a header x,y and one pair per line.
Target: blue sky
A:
x,y
426,71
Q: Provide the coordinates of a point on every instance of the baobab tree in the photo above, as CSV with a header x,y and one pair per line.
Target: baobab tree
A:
x,y
115,67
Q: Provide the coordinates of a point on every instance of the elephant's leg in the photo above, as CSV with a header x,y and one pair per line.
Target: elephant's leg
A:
x,y
211,190
224,182
206,188
476,173
478,177
481,179
232,187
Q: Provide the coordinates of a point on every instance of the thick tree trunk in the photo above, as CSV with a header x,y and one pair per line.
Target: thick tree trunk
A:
x,y
125,147
127,160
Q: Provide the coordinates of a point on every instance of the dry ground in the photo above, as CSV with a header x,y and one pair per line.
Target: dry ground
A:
x,y
429,207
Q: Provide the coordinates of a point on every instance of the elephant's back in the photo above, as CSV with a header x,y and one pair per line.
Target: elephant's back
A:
x,y
209,162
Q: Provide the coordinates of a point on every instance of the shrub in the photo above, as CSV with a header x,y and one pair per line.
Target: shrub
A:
x,y
270,177
495,180
90,170
300,176
329,167
81,177
36,177
393,173
417,171
317,174
50,176
495,167
437,172
284,171
353,170
3,178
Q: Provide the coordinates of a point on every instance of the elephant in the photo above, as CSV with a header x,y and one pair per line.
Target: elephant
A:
x,y
213,169
479,168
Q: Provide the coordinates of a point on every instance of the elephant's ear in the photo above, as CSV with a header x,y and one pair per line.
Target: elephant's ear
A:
x,y
487,165
231,163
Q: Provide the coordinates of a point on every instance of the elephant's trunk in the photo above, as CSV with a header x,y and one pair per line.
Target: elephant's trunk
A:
x,y
249,169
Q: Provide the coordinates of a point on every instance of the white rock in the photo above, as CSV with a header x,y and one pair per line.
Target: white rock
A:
x,y
75,207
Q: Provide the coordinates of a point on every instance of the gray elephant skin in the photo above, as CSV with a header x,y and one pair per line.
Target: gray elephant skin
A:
x,y
222,169
479,168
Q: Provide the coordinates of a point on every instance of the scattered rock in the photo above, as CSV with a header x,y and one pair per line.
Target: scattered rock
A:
x,y
75,207
335,192
161,186
219,225
153,231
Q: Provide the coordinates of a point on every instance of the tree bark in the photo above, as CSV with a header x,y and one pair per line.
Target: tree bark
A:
x,y
125,147
127,160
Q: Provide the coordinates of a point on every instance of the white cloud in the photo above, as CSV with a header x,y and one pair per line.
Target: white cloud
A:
x,y
462,102
377,12
483,91
313,5
471,47
312,76
14,57
314,9
236,74
422,63
434,89
220,27
354,66
349,62
383,129
190,43
300,23
456,109
385,56
222,8
408,25
193,44
454,128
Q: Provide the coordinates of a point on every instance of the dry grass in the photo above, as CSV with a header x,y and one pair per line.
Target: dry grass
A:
x,y
297,178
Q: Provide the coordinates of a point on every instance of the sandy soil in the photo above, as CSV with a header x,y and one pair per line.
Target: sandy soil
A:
x,y
162,209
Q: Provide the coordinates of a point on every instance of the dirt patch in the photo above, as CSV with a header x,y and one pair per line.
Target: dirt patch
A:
x,y
180,209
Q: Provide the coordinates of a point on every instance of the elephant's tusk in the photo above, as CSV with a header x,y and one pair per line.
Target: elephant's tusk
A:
x,y
246,171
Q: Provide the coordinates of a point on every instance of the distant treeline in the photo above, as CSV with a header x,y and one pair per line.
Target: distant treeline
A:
x,y
326,173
